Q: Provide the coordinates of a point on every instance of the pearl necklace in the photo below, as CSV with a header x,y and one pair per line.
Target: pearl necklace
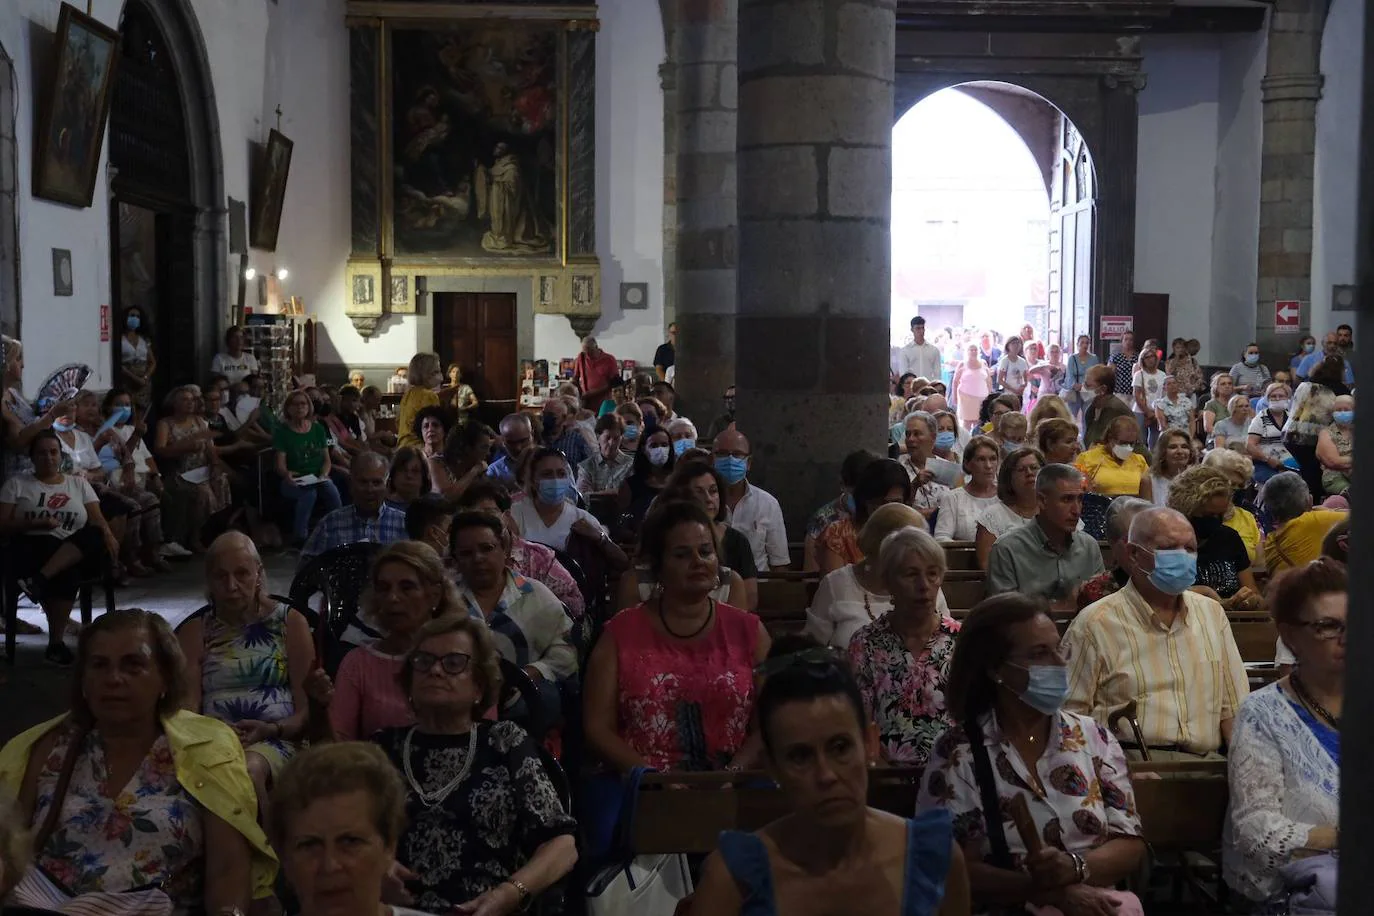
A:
x,y
430,799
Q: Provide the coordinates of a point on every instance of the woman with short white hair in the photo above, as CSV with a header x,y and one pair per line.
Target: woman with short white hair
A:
x,y
683,434
901,660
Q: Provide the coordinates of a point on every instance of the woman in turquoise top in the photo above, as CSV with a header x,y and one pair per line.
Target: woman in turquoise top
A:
x,y
833,854
302,448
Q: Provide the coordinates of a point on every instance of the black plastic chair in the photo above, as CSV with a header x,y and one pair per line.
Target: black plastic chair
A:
x,y
340,576
10,592
517,685
310,616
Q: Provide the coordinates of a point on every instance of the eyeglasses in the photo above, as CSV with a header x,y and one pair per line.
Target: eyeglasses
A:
x,y
818,662
452,663
1325,629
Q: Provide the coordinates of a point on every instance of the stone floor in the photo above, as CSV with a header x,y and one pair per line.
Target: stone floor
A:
x,y
32,690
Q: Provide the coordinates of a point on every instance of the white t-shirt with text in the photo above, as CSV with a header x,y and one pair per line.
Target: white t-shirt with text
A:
x,y
65,501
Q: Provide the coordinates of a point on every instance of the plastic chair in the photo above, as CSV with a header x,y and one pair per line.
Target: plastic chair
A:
x,y
10,591
517,685
340,575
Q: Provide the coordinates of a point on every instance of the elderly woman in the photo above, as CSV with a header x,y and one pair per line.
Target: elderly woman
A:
x,y
1299,528
409,586
479,780
931,477
1006,690
1104,408
670,683
882,481
1173,409
1203,494
961,508
1223,388
1048,407
831,849
1231,428
1239,470
1285,750
682,433
1336,446
184,444
303,463
1057,440
128,792
901,659
1173,453
408,478
1016,501
854,595
1114,467
1264,442
423,378
58,536
1311,411
633,418
247,658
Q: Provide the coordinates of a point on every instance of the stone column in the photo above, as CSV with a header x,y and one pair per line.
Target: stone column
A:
x,y
704,40
667,77
1291,88
815,139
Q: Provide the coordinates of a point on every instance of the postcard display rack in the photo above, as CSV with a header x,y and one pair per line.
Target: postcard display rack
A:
x,y
271,338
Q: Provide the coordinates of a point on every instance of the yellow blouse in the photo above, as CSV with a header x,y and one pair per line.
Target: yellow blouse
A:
x,y
412,402
1242,522
1110,477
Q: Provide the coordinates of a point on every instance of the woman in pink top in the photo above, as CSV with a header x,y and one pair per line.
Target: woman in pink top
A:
x,y
972,384
670,684
408,588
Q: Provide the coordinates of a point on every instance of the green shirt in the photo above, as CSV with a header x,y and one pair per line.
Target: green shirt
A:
x,y
304,451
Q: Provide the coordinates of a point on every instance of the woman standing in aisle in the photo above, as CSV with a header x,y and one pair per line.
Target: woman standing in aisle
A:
x,y
137,362
972,383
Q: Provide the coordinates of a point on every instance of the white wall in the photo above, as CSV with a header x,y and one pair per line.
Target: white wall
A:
x,y
629,185
1176,179
1235,248
1337,160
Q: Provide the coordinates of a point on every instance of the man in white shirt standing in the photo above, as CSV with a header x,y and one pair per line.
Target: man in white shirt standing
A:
x,y
918,357
751,511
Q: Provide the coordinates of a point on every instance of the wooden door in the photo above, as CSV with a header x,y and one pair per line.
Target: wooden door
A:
x,y
477,331
1073,233
1151,314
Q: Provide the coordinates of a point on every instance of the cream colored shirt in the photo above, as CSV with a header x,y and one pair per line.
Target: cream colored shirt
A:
x,y
1186,680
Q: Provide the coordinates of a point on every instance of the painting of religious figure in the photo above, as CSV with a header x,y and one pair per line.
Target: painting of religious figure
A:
x,y
71,127
475,141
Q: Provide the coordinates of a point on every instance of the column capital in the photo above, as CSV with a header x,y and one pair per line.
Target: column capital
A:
x,y
1292,87
1126,82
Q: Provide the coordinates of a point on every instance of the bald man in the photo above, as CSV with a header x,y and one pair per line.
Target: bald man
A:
x,y
369,518
750,511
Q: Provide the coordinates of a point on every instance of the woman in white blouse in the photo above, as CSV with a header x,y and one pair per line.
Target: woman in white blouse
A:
x,y
854,596
1285,750
960,508
1016,500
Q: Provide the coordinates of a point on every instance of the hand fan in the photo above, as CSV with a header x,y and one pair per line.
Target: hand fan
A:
x,y
64,383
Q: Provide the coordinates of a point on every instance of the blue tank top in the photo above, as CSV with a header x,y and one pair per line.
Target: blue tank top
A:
x,y
928,841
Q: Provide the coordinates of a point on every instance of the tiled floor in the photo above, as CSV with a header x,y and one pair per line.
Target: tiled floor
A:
x,y
33,691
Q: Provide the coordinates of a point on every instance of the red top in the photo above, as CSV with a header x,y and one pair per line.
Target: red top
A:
x,y
596,373
685,703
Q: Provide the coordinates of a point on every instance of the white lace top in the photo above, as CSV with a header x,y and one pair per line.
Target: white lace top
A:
x,y
1283,783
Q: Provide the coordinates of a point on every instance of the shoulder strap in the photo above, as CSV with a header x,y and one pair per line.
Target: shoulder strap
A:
x,y
746,858
59,795
929,839
987,790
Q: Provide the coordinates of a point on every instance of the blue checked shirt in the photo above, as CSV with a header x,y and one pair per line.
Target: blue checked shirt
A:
x,y
573,445
346,526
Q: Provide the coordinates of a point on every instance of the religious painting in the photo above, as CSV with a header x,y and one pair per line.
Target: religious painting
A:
x,y
269,191
71,127
475,151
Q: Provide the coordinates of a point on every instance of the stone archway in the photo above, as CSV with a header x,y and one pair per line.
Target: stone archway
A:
x,y
9,192
195,206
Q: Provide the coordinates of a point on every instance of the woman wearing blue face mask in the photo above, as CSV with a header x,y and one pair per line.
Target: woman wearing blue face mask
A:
x,y
1336,447
653,465
1250,375
1007,684
1306,347
683,434
137,362
547,517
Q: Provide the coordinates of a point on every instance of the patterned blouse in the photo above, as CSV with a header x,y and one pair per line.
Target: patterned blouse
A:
x,y
150,833
905,694
489,826
1088,798
244,676
840,539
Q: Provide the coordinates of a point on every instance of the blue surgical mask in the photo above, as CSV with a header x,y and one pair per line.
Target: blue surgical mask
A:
x,y
133,322
944,441
1008,447
732,469
121,415
898,433
1309,348
1175,571
1047,687
1343,417
63,425
554,490
631,432
681,445
1252,359
849,505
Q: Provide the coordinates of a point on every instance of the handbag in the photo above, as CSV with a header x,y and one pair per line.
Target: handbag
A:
x,y
637,885
1309,887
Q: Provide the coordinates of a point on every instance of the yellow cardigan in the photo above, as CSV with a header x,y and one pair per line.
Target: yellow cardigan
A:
x,y
210,767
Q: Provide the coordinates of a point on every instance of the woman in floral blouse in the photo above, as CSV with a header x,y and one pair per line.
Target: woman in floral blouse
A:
x,y
1007,684
901,659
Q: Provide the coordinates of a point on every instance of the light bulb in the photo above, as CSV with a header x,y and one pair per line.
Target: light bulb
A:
x,y
281,273
250,273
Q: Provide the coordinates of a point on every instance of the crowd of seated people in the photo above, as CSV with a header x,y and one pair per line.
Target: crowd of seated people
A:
x,y
478,622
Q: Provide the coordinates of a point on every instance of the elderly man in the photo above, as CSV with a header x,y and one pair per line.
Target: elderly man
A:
x,y
604,472
367,519
1048,557
931,476
517,437
562,432
1156,643
750,511
1120,514
919,358
1297,540
593,372
1331,346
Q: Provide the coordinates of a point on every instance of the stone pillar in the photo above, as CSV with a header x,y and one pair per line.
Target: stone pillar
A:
x,y
815,140
1291,88
704,40
667,77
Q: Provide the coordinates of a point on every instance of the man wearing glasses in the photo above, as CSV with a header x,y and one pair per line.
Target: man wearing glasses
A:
x,y
517,437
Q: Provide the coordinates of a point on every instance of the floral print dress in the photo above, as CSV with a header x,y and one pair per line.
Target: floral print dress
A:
x,y
904,693
244,677
150,833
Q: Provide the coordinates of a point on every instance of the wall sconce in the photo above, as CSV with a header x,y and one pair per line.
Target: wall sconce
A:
x,y
281,273
250,274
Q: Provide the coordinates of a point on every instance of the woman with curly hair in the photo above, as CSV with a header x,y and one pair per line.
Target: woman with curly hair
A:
x,y
1203,494
1173,453
1240,518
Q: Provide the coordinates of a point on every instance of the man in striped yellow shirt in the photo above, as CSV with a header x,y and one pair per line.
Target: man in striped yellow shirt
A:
x,y
1168,649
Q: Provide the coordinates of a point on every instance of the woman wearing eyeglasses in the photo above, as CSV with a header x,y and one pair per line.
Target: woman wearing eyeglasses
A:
x,y
478,800
1013,740
1285,750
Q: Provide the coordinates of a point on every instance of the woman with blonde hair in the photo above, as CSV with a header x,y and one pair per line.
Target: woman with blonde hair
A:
x,y
1057,440
1229,431
409,586
1049,406
1173,453
1240,471
423,377
1203,495
854,595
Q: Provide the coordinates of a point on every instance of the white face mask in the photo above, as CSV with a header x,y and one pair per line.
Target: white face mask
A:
x,y
1122,452
658,455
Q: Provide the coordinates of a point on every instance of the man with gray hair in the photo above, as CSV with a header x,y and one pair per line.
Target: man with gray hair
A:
x,y
1120,514
517,437
931,476
369,518
1048,557
1298,538
594,371
1158,644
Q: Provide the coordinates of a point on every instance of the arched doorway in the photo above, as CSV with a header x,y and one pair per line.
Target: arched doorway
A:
x,y
9,190
166,219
